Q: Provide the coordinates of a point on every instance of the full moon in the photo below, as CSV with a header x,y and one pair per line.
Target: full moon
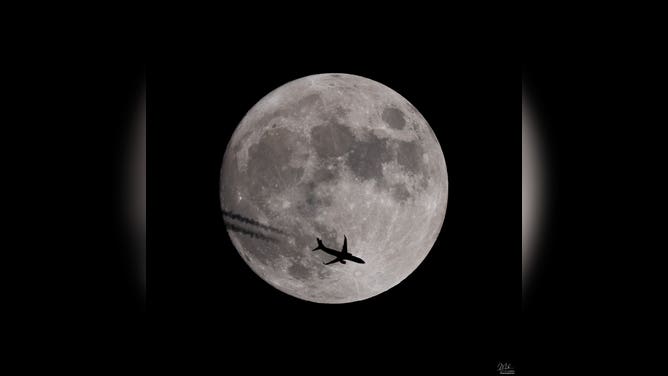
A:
x,y
328,156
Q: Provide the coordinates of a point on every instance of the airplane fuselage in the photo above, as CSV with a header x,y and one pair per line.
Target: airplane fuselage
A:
x,y
342,255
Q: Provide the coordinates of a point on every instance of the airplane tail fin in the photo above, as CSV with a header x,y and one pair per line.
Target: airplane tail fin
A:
x,y
320,245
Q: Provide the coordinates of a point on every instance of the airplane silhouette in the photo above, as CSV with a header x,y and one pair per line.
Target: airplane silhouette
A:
x,y
340,256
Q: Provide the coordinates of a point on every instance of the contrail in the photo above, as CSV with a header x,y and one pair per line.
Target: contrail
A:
x,y
253,222
235,228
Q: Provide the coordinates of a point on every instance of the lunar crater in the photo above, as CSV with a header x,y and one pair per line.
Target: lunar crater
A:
x,y
394,117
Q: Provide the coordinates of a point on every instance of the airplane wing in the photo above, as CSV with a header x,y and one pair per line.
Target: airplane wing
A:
x,y
333,261
345,244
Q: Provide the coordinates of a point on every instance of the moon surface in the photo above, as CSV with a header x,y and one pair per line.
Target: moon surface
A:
x,y
325,156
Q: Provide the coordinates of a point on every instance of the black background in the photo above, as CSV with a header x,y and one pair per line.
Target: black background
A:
x,y
463,299
598,90
461,308
597,84
594,98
